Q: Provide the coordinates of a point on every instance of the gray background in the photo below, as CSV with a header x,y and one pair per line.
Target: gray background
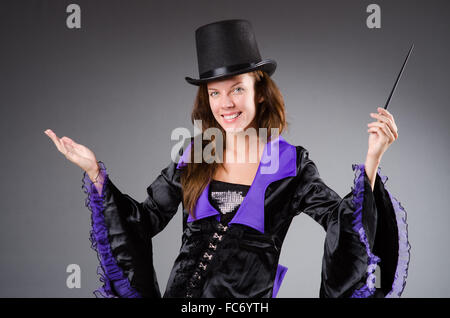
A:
x,y
117,86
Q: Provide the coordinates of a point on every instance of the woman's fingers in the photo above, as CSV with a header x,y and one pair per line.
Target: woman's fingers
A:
x,y
377,126
383,119
76,153
390,127
58,143
388,118
385,112
387,128
79,149
67,144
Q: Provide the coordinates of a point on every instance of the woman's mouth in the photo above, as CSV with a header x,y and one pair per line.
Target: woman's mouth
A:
x,y
231,118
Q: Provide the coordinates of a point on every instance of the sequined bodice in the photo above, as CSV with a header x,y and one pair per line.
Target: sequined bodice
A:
x,y
226,198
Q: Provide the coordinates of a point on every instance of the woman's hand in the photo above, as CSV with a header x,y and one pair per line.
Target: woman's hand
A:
x,y
76,153
383,133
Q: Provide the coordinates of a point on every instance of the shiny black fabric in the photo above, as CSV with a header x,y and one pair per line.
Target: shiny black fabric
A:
x,y
244,261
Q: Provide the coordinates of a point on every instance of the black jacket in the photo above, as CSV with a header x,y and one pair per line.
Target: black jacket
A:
x,y
363,229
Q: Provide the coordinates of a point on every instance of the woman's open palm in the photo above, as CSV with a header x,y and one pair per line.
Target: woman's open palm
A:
x,y
74,152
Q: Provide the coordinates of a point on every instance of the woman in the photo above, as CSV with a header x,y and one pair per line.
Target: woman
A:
x,y
236,215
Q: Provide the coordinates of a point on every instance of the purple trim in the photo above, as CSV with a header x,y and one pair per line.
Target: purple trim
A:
x,y
401,272
185,156
116,284
281,271
358,197
404,247
251,210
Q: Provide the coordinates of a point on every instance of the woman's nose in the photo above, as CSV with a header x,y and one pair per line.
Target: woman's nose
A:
x,y
226,102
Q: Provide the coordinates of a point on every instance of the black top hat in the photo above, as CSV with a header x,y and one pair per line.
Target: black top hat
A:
x,y
226,48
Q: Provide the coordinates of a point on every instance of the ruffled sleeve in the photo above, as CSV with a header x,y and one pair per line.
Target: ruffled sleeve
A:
x,y
122,231
364,229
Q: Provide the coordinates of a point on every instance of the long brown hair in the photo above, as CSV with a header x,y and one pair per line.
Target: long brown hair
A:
x,y
270,113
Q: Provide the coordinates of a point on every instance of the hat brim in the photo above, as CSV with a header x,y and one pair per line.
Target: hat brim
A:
x,y
267,65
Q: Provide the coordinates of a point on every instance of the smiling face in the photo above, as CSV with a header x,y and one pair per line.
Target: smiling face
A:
x,y
232,101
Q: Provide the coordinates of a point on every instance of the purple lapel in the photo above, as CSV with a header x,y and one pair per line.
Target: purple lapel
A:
x,y
271,169
185,156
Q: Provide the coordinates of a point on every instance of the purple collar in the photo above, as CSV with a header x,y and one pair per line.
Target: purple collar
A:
x,y
271,168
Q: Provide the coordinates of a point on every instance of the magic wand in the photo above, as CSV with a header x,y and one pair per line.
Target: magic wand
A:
x,y
398,77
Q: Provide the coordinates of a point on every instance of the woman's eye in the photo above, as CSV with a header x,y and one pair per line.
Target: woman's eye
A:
x,y
212,94
239,88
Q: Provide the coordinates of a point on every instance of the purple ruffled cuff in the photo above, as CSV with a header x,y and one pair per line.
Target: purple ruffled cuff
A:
x,y
401,272
403,253
115,283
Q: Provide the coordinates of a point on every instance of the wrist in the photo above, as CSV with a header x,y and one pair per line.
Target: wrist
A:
x,y
93,173
371,166
373,159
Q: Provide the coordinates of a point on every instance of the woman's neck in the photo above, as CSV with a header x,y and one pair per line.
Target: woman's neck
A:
x,y
242,148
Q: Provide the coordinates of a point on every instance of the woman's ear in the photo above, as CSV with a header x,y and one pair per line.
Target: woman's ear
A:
x,y
261,100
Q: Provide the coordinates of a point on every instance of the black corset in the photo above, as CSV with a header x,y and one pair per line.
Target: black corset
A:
x,y
226,198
